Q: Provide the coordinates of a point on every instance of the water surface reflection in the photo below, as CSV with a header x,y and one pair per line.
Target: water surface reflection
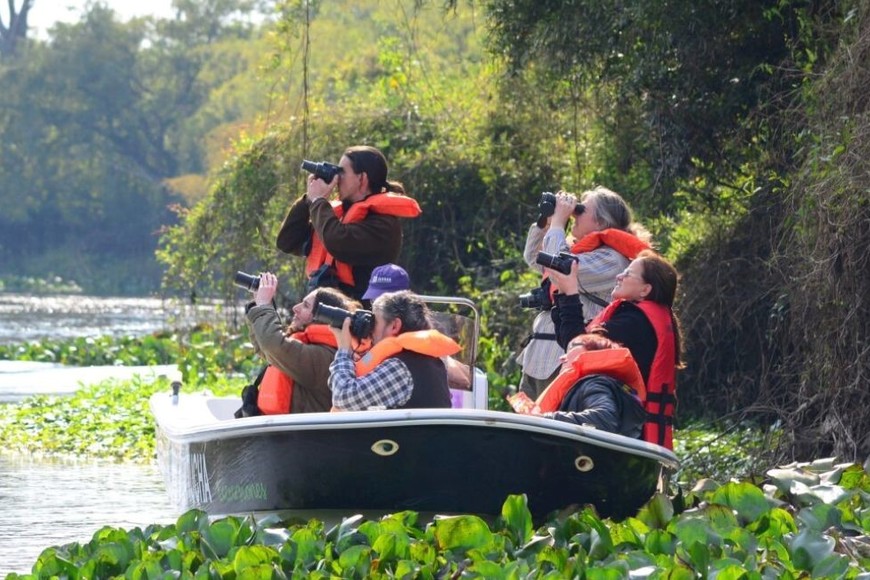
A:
x,y
25,317
53,502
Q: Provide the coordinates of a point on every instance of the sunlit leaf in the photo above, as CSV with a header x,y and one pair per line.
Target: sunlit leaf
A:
x,y
517,517
657,512
462,533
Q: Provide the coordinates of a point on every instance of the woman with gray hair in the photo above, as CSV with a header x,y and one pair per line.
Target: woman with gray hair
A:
x,y
604,239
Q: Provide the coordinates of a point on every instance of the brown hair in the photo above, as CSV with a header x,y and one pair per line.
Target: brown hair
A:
x,y
333,297
592,342
663,280
371,161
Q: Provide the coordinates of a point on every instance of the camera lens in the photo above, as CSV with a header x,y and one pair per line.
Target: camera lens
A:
x,y
246,281
362,322
331,315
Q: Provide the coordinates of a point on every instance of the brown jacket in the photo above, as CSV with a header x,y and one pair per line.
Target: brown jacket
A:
x,y
306,364
364,245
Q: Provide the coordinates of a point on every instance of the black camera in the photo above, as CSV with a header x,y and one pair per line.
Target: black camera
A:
x,y
246,281
561,263
322,169
547,207
539,298
362,322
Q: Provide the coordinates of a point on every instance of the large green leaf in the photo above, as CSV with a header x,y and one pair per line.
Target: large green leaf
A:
x,y
220,537
657,512
250,556
462,533
356,561
809,548
392,546
517,518
744,498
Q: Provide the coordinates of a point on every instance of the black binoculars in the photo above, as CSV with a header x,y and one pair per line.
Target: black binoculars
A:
x,y
322,169
547,207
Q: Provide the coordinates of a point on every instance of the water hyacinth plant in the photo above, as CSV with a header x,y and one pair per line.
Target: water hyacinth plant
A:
x,y
809,520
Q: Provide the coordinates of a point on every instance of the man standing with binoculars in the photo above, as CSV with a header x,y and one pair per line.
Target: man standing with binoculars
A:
x,y
344,240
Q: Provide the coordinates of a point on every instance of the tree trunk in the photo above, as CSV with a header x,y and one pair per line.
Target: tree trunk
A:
x,y
17,28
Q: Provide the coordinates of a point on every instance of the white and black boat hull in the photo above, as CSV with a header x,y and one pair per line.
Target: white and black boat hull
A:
x,y
425,460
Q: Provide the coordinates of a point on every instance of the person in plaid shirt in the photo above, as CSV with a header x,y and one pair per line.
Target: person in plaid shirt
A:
x,y
403,369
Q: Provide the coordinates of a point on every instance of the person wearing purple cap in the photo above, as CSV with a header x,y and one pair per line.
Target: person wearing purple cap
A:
x,y
392,278
387,278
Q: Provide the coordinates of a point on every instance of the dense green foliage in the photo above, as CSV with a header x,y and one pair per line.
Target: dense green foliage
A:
x,y
99,127
812,521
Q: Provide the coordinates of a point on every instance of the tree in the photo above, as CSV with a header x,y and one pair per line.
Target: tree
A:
x,y
16,29
689,72
93,125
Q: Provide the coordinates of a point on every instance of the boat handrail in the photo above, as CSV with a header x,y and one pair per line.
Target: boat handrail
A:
x,y
460,301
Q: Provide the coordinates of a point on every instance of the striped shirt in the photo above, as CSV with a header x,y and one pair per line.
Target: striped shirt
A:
x,y
596,272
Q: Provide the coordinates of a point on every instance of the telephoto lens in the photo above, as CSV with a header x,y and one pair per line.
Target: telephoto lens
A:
x,y
246,281
362,322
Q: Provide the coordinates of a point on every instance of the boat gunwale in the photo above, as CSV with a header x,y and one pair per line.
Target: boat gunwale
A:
x,y
251,426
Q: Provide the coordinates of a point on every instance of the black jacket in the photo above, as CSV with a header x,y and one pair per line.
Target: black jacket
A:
x,y
605,403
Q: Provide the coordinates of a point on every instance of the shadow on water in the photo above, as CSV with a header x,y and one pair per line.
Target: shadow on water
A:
x,y
52,502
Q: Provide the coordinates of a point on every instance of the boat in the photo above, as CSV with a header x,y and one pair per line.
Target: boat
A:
x,y
466,459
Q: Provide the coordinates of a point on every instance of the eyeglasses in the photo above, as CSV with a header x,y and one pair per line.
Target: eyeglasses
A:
x,y
627,273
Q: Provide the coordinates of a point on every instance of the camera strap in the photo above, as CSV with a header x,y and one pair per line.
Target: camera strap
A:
x,y
537,336
595,299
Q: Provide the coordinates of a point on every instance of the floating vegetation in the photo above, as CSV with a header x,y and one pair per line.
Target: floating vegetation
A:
x,y
808,520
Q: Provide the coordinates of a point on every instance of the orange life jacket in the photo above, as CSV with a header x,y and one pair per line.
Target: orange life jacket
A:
x,y
381,203
623,242
614,362
276,388
429,342
661,394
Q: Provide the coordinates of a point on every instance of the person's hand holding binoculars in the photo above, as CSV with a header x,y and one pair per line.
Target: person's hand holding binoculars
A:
x,y
565,204
317,188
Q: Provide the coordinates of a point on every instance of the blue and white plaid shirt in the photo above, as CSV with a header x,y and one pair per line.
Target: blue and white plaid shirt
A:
x,y
387,385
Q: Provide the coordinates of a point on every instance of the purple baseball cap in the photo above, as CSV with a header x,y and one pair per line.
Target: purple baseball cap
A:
x,y
387,278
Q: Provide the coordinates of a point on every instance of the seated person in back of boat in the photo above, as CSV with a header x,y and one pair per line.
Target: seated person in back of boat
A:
x,y
599,385
393,278
403,369
301,351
